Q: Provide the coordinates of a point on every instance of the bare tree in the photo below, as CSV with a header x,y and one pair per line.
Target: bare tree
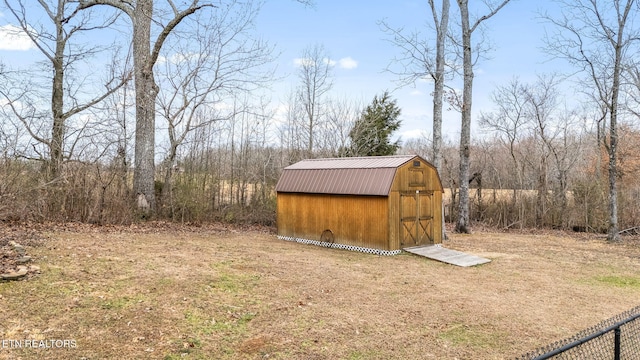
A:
x,y
441,26
509,122
567,148
419,61
290,131
331,134
119,115
56,42
467,29
315,69
340,117
145,55
542,99
631,75
218,62
542,139
598,38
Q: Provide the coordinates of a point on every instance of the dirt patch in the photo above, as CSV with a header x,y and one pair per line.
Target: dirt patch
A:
x,y
216,292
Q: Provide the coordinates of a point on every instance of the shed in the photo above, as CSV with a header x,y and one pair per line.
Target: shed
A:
x,y
377,204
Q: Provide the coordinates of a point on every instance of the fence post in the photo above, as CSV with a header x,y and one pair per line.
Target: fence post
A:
x,y
616,340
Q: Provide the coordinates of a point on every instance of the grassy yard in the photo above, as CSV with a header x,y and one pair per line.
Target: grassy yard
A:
x,y
169,292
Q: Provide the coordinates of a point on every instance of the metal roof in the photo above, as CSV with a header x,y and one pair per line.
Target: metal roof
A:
x,y
366,162
347,176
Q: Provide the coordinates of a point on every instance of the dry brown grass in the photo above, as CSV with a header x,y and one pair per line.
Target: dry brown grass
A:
x,y
205,293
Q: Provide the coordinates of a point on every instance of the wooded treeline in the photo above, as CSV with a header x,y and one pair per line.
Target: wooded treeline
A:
x,y
229,169
177,122
520,185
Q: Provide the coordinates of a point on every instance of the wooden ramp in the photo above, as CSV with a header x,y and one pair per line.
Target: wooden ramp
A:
x,y
448,256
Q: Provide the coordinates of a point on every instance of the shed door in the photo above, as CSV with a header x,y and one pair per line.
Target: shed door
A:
x,y
416,218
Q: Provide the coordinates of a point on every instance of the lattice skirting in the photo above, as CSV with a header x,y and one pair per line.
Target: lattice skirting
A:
x,y
341,246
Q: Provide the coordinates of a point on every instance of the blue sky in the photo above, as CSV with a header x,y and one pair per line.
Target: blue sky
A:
x,y
350,33
350,30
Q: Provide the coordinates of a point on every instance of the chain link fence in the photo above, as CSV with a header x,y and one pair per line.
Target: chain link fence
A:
x,y
616,338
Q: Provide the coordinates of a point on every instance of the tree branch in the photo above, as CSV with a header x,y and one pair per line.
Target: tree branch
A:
x,y
167,29
485,17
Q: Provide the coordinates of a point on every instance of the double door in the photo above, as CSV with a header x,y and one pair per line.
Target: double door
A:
x,y
416,218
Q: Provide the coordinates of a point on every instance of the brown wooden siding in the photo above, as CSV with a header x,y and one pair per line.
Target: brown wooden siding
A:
x,y
409,178
394,220
353,220
437,217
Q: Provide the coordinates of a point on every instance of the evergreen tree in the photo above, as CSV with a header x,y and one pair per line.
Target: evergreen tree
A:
x,y
371,134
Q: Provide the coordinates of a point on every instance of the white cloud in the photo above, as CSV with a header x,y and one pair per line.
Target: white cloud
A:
x,y
13,38
298,62
416,93
182,58
348,63
345,63
329,62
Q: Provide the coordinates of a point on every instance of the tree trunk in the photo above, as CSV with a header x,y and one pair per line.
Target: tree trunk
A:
x,y
144,58
462,225
315,74
613,233
438,87
57,100
166,200
541,199
467,93
146,92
